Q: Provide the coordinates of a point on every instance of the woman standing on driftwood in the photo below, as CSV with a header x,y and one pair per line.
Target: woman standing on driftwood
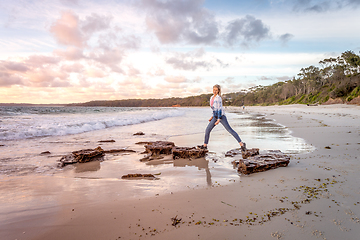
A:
x,y
219,117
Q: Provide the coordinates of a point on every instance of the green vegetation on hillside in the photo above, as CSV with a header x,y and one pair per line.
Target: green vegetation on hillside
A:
x,y
337,78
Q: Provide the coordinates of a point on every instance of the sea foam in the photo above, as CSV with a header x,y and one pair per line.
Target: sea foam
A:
x,y
26,123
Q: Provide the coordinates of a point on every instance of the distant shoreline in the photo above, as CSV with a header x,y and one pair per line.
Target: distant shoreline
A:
x,y
31,105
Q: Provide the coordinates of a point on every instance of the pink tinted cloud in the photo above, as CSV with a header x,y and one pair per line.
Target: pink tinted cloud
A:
x,y
70,54
7,80
175,79
70,30
66,30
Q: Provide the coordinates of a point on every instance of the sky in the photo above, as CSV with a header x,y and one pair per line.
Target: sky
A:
x,y
71,51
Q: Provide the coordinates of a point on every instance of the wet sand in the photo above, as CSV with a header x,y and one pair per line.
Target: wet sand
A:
x,y
315,197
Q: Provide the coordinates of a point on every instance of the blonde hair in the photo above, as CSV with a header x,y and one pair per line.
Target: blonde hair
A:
x,y
219,88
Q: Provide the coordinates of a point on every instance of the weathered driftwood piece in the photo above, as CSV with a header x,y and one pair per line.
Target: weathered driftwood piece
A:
x,y
245,154
139,176
188,152
82,156
263,162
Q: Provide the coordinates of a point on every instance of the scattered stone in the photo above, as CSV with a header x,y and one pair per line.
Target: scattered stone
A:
x,y
245,154
139,176
159,147
139,133
82,156
2,145
188,152
250,152
327,147
154,150
44,153
263,162
107,141
314,104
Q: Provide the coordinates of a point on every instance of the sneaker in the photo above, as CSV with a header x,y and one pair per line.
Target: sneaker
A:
x,y
243,147
202,147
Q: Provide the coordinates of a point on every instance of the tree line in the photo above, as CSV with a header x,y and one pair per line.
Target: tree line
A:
x,y
336,78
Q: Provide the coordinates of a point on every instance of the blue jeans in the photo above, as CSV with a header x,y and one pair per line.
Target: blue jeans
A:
x,y
226,125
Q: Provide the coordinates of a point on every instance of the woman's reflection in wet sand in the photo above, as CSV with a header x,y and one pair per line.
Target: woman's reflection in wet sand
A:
x,y
200,163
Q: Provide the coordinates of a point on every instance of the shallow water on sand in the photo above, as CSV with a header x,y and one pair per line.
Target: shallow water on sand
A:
x,y
31,182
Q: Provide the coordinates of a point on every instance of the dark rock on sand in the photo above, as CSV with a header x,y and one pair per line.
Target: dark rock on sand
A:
x,y
82,156
263,162
154,150
139,133
187,152
88,155
159,147
139,176
45,153
107,141
245,154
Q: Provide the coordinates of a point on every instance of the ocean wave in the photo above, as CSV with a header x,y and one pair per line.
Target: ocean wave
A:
x,y
44,125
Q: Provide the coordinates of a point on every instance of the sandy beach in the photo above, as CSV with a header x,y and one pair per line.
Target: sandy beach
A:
x,y
315,197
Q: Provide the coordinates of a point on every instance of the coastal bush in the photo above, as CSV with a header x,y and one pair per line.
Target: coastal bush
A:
x,y
355,93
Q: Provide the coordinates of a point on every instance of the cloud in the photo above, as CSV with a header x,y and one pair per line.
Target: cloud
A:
x,y
130,42
133,71
175,79
70,2
111,58
6,79
187,61
319,6
69,30
13,66
66,30
156,72
285,38
72,68
95,23
71,53
47,78
174,21
246,30
41,60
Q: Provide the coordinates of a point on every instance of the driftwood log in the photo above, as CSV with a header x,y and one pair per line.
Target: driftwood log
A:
x,y
260,162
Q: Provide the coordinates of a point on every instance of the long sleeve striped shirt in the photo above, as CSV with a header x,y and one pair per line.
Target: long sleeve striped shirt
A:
x,y
216,106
